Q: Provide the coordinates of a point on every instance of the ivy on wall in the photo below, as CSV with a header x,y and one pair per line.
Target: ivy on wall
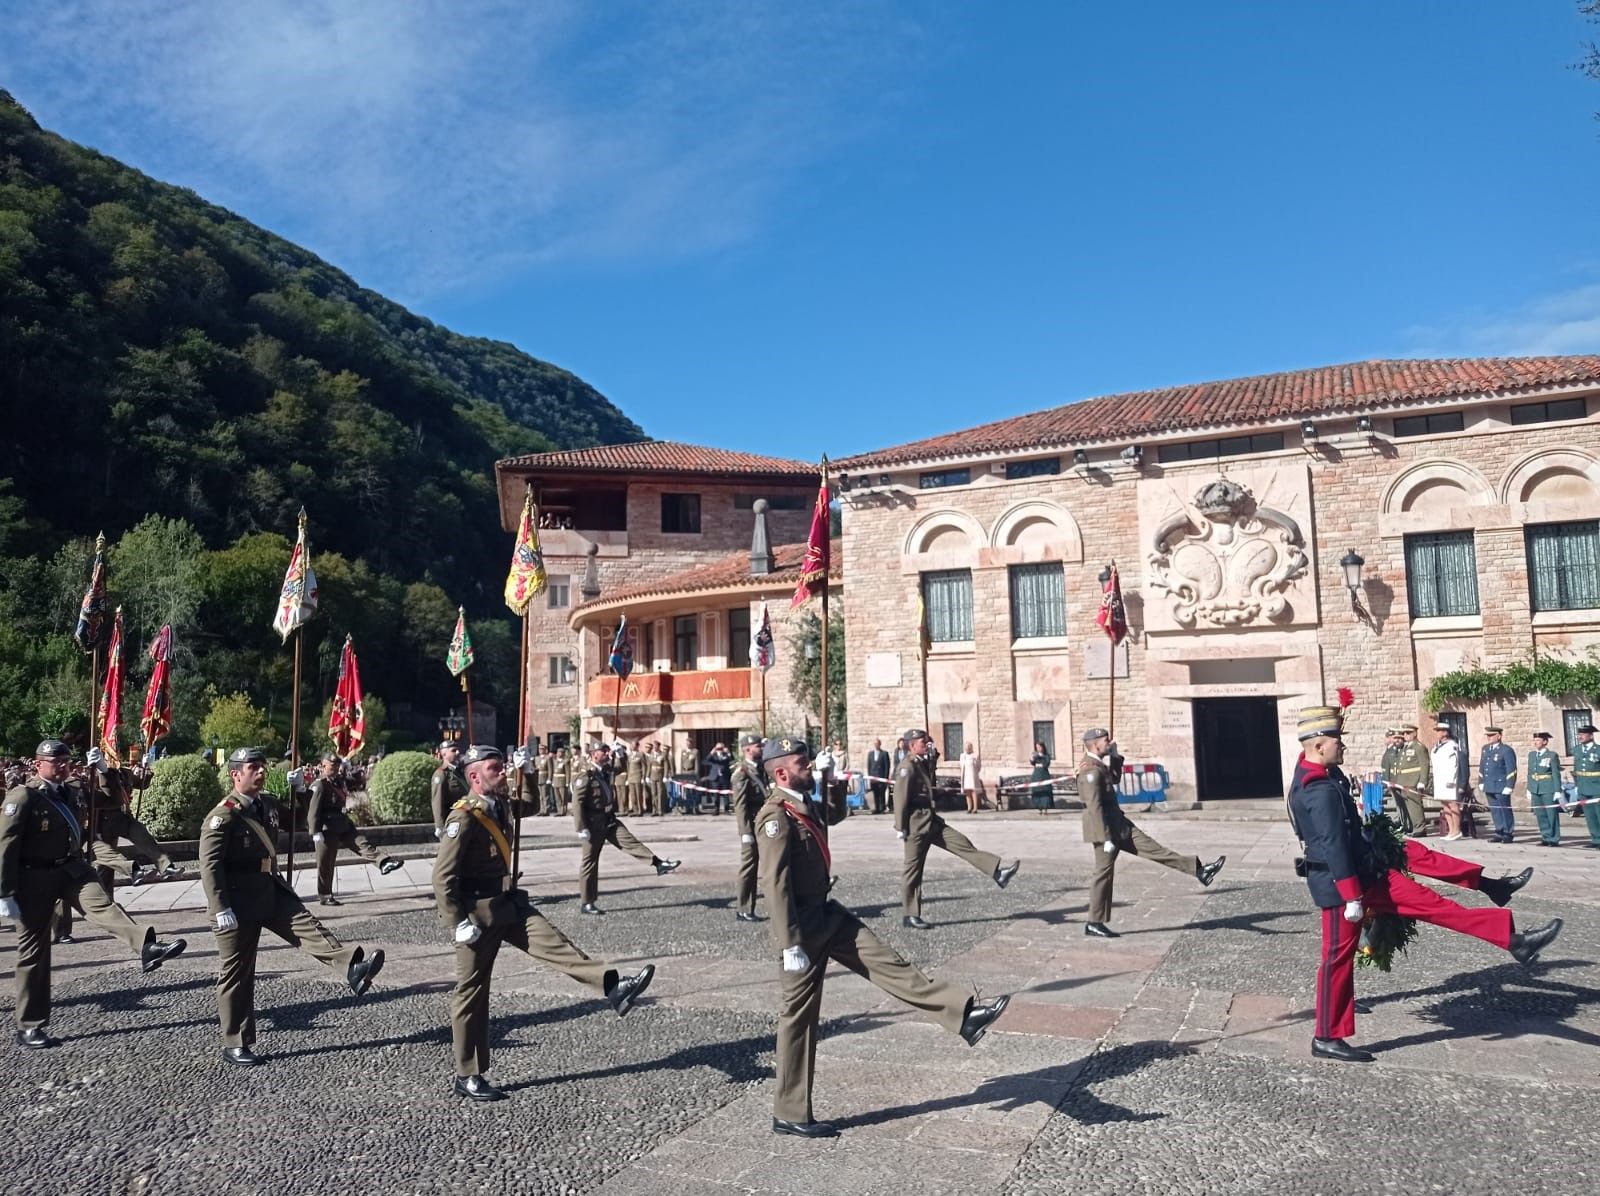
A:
x,y
1551,676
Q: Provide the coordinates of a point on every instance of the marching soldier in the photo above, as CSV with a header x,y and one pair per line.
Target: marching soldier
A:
x,y
1586,775
1497,777
749,795
1413,773
114,820
655,761
244,895
688,777
449,786
560,771
1544,788
633,792
594,810
1112,831
808,930
41,863
543,770
919,826
478,898
332,829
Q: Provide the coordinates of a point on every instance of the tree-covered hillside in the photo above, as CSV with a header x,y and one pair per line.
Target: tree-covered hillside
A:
x,y
168,367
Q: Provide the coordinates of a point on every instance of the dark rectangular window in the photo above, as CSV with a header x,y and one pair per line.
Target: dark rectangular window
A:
x,y
739,638
1571,720
939,479
1544,413
1564,565
955,740
1226,446
561,670
559,590
685,643
1442,574
948,595
775,502
1426,425
680,513
600,511
1038,600
1044,732
1040,467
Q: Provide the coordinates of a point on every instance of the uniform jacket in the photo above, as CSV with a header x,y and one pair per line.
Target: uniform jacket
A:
x,y
635,766
472,872
327,807
543,768
239,855
1391,760
1103,819
1413,766
1447,769
792,845
656,765
449,787
594,802
749,794
913,798
1326,820
1544,773
39,828
560,769
878,764
1586,768
689,763
1497,768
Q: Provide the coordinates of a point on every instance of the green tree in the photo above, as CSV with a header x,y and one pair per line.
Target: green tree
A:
x,y
157,571
232,721
805,679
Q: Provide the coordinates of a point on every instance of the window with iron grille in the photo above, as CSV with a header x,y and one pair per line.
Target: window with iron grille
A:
x,y
948,595
1038,600
1571,720
955,740
1039,467
1442,574
1433,422
1564,565
1544,413
941,478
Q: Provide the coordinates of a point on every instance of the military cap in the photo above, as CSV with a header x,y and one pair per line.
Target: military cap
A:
x,y
1094,733
1541,735
1319,720
480,752
246,755
1589,727
915,734
1391,730
52,749
746,740
781,747
449,743
1491,730
600,746
1441,726
331,758
1409,729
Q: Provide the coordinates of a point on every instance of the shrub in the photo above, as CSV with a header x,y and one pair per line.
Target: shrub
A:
x,y
399,788
182,789
234,722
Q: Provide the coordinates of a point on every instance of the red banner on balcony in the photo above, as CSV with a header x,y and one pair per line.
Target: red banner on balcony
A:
x,y
703,685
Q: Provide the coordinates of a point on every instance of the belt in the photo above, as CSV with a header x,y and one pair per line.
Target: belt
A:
x,y
1316,866
260,866
479,890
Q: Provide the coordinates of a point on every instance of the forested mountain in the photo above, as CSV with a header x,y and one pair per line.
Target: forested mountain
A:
x,y
170,367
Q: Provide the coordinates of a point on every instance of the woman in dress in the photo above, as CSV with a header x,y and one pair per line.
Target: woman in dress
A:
x,y
1043,795
969,778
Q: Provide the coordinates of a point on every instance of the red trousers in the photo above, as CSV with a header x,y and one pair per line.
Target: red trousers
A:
x,y
1439,866
1395,893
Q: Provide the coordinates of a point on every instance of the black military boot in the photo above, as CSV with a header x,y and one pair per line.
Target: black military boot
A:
x,y
916,923
1208,872
153,954
1525,947
1099,930
980,1015
665,866
363,971
1003,875
629,989
241,1056
477,1088
1339,1049
805,1129
35,1038
1499,889
390,864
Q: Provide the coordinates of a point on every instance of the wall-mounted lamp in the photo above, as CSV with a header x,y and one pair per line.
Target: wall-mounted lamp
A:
x,y
883,479
844,482
1308,430
1364,424
1080,458
1351,563
1133,455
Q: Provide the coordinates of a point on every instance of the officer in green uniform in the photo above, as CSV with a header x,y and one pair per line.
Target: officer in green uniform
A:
x,y
560,778
449,786
809,930
332,829
479,900
919,827
543,771
41,863
244,895
1413,772
114,820
594,811
633,791
1544,788
749,795
1391,755
1586,773
655,779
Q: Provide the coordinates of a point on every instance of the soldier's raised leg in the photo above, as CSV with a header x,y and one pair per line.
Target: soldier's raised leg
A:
x,y
959,845
1146,848
538,936
294,924
621,837
145,844
91,899
853,946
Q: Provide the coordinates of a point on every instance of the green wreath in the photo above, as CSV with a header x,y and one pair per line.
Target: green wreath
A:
x,y
1382,935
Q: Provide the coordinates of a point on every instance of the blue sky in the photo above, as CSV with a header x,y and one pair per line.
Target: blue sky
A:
x,y
833,226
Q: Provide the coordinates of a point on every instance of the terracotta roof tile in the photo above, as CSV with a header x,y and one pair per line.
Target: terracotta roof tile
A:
x,y
659,456
1299,394
724,573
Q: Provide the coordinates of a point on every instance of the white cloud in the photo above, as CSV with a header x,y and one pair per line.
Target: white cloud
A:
x,y
423,144
1561,322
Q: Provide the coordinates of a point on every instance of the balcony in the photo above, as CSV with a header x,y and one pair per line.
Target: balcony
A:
x,y
666,689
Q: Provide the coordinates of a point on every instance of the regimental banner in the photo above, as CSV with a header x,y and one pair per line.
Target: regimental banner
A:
x,y
297,600
111,698
92,611
763,651
526,576
815,564
1112,615
347,725
621,658
460,657
156,720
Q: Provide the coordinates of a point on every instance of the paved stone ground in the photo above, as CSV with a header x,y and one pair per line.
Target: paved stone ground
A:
x,y
1171,1060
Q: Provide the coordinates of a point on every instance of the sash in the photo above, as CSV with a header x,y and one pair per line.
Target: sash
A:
x,y
495,833
817,832
65,810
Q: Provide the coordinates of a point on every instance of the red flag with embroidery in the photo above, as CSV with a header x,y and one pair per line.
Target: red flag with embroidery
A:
x,y
347,725
814,565
1113,616
111,697
156,720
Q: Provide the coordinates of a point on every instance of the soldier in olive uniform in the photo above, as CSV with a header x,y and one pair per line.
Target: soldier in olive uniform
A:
x,y
1544,788
332,829
809,930
543,771
479,900
688,775
1391,754
1413,774
1497,777
114,820
919,827
1111,831
41,863
594,810
244,895
655,779
1586,775
633,791
449,786
560,778
749,795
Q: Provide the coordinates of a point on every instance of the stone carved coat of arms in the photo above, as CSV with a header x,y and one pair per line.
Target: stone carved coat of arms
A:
x,y
1229,563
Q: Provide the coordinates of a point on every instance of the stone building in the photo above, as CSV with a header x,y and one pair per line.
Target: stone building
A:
x,y
620,517
1458,499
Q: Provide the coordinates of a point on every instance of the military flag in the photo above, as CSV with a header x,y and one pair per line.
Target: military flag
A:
x,y
92,612
814,565
526,577
763,652
459,659
1113,616
156,720
347,725
297,601
111,697
621,659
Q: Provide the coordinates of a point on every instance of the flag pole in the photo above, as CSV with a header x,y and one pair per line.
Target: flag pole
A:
x,y
827,568
294,750
466,684
763,703
522,739
93,779
922,657
1111,677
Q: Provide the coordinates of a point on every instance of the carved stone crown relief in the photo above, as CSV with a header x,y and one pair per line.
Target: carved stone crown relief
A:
x,y
1229,564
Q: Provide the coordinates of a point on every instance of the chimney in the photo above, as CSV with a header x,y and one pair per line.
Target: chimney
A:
x,y
591,574
762,561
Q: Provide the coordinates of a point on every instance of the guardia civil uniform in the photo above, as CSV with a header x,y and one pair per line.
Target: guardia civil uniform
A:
x,y
919,824
749,795
809,929
1544,789
594,812
1586,775
1413,772
478,898
332,829
1497,778
244,896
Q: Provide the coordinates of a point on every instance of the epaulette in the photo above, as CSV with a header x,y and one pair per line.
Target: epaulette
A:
x,y
229,804
470,803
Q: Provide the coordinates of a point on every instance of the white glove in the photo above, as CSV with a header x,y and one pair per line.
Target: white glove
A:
x,y
317,838
226,920
1505,793
1111,848
519,759
468,932
900,835
747,839
438,832
1352,911
795,959
94,758
297,779
584,835
10,909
